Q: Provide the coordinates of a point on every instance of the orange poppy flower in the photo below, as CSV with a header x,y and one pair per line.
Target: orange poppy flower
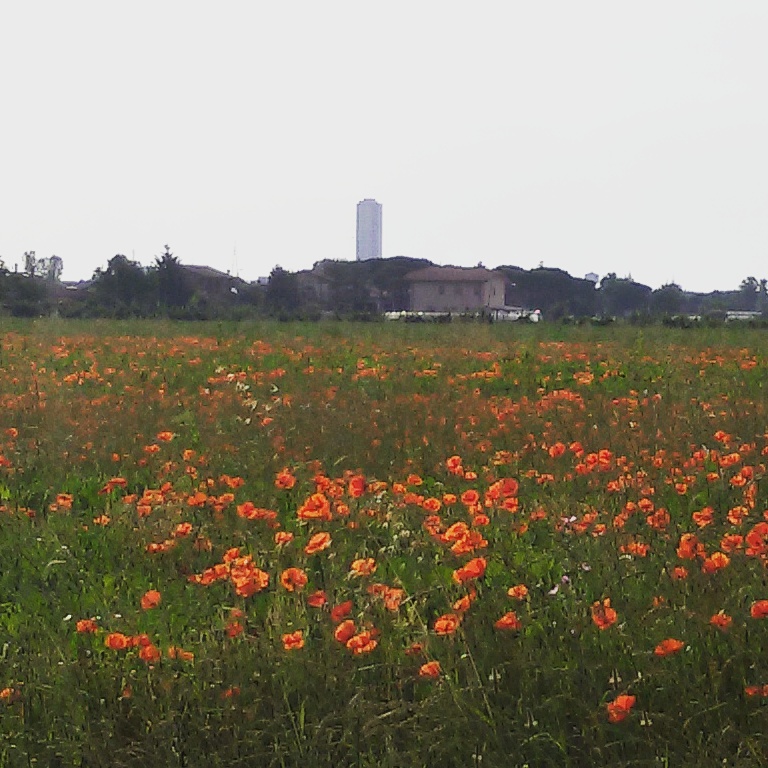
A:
x,y
356,487
519,592
364,642
283,537
150,653
293,579
463,604
474,569
470,497
508,621
721,621
293,641
117,641
341,611
150,599
446,624
453,465
602,614
362,567
86,625
285,480
430,670
318,542
317,599
715,562
668,647
620,707
344,631
759,609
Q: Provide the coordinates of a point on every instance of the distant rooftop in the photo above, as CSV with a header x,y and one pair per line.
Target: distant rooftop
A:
x,y
454,274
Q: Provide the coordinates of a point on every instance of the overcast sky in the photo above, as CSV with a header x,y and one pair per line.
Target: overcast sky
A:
x,y
593,136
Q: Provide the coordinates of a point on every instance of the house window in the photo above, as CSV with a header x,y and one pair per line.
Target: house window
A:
x,y
441,290
457,290
477,291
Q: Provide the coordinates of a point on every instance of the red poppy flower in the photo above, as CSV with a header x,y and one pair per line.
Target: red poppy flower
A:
x,y
430,670
668,647
620,707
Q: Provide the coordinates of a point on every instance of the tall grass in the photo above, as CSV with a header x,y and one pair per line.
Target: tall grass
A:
x,y
159,482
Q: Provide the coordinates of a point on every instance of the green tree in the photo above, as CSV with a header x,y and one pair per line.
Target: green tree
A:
x,y
668,300
122,289
622,296
282,292
172,288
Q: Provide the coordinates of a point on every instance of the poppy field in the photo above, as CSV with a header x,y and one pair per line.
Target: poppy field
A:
x,y
382,545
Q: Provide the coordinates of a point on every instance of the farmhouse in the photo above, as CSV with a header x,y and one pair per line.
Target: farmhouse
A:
x,y
211,283
457,289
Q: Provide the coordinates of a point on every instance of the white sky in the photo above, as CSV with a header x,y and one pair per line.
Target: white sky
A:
x,y
593,136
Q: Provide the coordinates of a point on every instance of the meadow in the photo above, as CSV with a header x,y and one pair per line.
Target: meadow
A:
x,y
382,545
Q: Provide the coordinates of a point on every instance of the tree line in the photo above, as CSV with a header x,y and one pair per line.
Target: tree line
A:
x,y
345,289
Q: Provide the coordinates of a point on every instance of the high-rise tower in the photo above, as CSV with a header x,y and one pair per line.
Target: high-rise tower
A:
x,y
368,230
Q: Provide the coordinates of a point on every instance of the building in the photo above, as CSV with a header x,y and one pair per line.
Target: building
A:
x,y
368,230
457,289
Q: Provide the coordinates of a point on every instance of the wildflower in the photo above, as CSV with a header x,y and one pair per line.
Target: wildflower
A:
x,y
679,573
116,641
470,497
508,621
603,615
519,592
721,620
179,653
704,517
182,530
165,437
150,653
234,628
9,695
317,599
150,599
341,611
293,641
356,487
344,631
690,547
453,465
474,569
446,624
362,567
231,692
86,626
620,707
430,670
317,543
285,480
715,562
668,647
463,604
759,609
364,642
293,578
283,537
